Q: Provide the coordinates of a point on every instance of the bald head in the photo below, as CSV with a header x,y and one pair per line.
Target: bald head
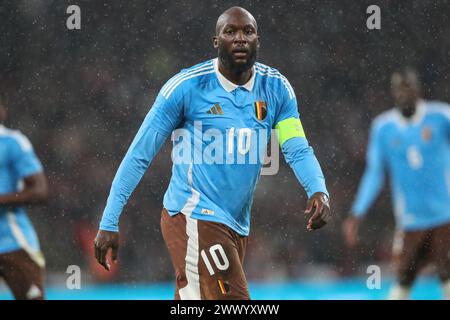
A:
x,y
231,14
236,41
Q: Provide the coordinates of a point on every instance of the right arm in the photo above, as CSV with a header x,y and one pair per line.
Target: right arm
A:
x,y
369,187
140,154
163,118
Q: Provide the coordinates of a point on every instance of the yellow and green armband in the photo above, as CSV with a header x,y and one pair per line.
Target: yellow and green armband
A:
x,y
289,128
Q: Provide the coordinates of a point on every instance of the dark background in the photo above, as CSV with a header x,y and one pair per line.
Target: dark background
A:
x,y
81,95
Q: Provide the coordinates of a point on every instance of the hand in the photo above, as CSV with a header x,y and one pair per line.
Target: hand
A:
x,y
102,243
350,229
319,205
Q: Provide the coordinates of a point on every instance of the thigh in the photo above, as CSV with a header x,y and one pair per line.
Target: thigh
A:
x,y
207,258
174,233
23,275
440,251
221,271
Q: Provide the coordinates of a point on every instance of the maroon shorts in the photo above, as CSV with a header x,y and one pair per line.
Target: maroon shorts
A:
x,y
207,258
413,250
23,275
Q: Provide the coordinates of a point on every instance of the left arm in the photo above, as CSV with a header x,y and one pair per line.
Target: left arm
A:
x,y
300,156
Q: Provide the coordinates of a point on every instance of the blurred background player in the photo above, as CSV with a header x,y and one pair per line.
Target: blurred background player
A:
x,y
412,143
22,183
206,216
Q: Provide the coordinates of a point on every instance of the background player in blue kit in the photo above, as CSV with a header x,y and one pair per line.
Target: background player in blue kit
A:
x,y
206,216
22,183
412,144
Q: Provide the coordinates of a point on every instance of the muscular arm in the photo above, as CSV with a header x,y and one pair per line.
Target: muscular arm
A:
x,y
300,157
157,126
35,192
159,123
145,146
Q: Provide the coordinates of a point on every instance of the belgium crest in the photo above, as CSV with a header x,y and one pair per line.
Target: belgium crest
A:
x,y
260,110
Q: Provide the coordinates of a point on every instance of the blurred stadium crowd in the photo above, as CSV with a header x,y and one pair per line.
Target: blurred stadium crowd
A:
x,y
81,95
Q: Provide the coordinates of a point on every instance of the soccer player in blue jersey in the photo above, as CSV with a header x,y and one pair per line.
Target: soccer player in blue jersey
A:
x,y
412,144
22,183
221,113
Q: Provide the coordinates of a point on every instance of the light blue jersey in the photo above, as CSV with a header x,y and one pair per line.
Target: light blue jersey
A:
x,y
416,155
17,161
220,132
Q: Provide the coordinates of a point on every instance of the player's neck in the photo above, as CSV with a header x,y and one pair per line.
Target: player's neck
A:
x,y
238,77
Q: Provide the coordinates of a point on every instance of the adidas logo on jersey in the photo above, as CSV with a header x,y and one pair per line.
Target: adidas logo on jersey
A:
x,y
215,110
207,211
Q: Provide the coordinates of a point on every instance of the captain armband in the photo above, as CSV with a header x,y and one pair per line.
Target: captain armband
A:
x,y
289,128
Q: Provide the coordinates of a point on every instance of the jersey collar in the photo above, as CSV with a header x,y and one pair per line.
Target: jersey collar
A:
x,y
420,112
416,118
230,86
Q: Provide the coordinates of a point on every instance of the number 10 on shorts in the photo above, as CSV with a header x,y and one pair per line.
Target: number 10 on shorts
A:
x,y
214,252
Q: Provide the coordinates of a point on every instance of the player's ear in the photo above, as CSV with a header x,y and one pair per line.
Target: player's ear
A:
x,y
215,42
259,43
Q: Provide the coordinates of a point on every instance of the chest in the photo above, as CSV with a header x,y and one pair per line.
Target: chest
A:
x,y
414,145
221,110
426,136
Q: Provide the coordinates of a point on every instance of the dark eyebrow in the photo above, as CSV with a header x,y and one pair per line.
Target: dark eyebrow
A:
x,y
230,25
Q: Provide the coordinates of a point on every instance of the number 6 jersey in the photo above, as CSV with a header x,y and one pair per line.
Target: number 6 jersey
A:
x,y
416,154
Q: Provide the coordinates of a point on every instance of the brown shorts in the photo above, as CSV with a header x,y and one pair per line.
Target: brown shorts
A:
x,y
23,275
413,250
207,258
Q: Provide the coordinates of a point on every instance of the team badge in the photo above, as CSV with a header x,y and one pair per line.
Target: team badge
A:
x,y
260,110
426,134
223,286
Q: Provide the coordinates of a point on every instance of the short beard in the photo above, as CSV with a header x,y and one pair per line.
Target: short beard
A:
x,y
408,111
228,61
